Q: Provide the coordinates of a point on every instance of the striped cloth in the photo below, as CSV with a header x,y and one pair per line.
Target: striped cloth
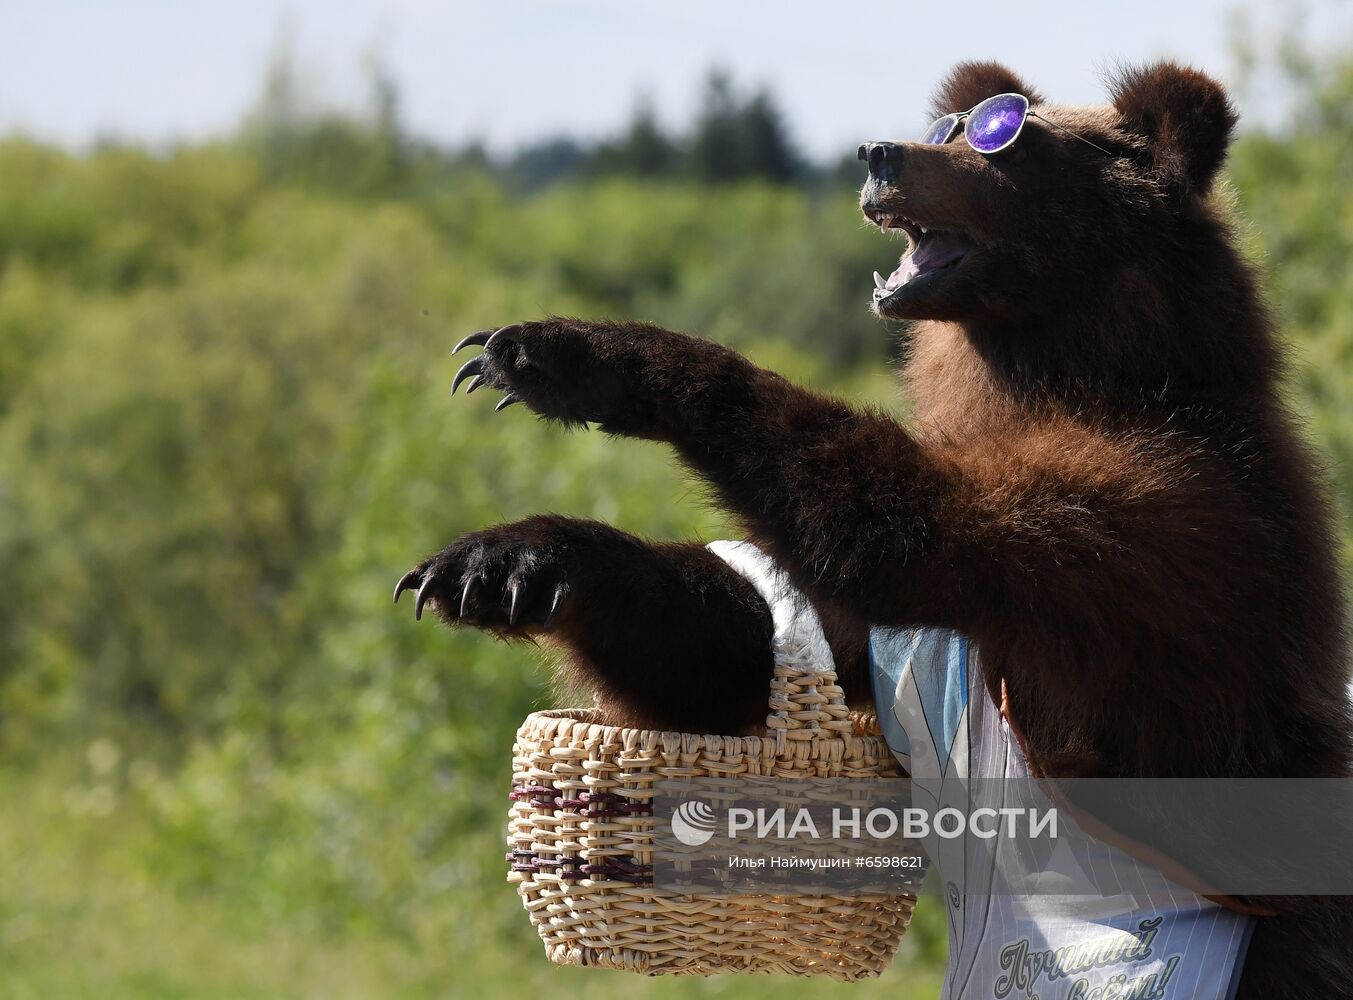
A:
x,y
1152,938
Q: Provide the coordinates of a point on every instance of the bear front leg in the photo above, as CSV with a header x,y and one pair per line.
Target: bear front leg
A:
x,y
668,636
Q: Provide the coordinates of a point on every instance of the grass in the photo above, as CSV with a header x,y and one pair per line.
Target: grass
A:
x,y
85,911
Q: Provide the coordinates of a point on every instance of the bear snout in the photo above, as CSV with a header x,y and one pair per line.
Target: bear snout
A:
x,y
884,159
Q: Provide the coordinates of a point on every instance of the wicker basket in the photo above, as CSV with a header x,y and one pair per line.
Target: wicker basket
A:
x,y
580,830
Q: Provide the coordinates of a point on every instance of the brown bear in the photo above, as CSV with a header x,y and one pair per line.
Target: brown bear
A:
x,y
1099,483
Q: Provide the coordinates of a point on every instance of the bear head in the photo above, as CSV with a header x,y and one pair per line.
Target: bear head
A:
x,y
1080,193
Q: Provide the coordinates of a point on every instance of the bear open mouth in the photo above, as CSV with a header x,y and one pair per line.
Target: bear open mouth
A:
x,y
929,250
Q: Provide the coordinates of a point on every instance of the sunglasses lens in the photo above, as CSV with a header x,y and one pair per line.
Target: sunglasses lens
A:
x,y
940,130
994,124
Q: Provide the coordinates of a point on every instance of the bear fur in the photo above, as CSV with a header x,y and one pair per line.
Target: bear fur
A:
x,y
1099,481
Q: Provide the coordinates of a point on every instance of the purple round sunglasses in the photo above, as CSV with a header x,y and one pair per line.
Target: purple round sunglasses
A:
x,y
992,125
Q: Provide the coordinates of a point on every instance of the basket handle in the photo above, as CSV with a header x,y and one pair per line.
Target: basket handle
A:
x,y
806,702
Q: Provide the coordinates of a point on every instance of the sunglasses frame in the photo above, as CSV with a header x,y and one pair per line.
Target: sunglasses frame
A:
x,y
957,118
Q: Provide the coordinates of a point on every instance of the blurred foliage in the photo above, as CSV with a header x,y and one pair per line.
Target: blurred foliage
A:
x,y
229,767
736,136
1293,187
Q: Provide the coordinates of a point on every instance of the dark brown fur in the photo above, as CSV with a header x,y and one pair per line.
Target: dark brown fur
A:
x,y
1099,483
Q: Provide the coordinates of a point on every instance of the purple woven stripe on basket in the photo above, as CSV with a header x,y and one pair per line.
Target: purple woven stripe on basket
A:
x,y
597,805
569,868
621,870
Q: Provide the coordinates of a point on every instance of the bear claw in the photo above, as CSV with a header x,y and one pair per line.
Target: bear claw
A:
x,y
478,339
406,582
559,592
475,367
505,334
422,597
471,585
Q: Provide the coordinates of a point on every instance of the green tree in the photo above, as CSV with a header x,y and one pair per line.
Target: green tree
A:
x,y
734,139
769,152
644,150
716,151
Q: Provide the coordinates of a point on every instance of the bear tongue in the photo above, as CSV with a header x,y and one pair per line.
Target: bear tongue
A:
x,y
933,250
906,270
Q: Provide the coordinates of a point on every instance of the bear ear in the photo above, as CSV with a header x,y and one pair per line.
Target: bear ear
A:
x,y
1184,115
969,83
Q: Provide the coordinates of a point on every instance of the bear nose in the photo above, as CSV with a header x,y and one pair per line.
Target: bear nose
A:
x,y
884,159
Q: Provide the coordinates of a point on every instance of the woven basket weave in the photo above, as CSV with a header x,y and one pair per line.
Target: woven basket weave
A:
x,y
580,829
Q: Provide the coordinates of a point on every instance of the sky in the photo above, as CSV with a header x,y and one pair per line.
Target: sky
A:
x,y
508,72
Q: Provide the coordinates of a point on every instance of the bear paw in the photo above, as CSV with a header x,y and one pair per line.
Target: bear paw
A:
x,y
560,369
492,581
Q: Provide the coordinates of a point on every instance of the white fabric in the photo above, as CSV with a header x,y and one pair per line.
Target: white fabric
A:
x,y
798,631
